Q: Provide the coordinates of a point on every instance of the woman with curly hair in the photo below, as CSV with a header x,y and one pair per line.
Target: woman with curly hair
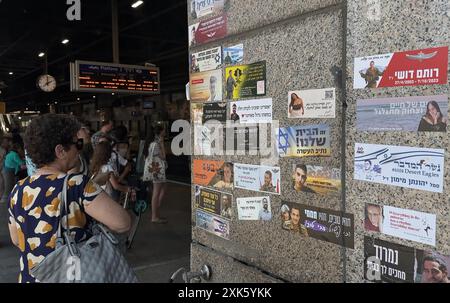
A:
x,y
34,204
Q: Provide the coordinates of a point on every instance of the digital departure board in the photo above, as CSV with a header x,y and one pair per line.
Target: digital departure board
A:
x,y
100,77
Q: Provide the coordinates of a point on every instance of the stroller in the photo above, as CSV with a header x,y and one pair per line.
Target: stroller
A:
x,y
137,202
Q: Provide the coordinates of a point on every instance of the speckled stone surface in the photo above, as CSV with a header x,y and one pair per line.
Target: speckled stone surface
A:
x,y
226,269
244,15
401,25
299,55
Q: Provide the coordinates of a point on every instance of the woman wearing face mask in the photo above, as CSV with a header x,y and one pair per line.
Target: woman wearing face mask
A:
x,y
34,204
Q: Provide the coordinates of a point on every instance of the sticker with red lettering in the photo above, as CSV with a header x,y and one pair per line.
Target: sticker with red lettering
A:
x,y
409,68
208,30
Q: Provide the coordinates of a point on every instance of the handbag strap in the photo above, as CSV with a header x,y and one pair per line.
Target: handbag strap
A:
x,y
63,208
65,237
152,150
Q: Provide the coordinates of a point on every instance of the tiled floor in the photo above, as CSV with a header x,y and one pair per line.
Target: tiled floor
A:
x,y
158,250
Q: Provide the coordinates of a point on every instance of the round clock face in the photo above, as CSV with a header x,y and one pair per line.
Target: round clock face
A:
x,y
47,83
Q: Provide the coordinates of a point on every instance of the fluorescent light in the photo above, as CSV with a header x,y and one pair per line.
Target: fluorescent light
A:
x,y
137,4
11,73
65,41
41,54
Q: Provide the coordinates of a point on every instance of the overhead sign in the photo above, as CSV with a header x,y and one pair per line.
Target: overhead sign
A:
x,y
101,77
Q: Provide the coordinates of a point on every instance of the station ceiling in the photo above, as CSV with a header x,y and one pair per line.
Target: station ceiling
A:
x,y
155,32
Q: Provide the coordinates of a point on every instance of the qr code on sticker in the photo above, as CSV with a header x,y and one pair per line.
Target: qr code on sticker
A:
x,y
260,87
329,94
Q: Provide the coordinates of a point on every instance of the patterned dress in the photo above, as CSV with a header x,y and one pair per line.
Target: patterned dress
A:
x,y
155,167
34,208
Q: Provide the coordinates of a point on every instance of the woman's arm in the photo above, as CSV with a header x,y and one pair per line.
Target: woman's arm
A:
x,y
116,184
105,210
162,149
13,234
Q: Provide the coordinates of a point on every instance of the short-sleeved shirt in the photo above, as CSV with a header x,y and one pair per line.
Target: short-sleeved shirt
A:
x,y
116,161
265,215
34,208
107,170
96,138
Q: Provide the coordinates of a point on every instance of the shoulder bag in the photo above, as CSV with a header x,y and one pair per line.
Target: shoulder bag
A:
x,y
97,260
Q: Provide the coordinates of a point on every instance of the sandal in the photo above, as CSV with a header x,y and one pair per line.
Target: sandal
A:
x,y
160,221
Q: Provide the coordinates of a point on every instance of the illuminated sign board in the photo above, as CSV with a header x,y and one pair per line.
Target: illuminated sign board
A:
x,y
100,77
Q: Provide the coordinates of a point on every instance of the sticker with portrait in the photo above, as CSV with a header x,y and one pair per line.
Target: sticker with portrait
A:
x,y
407,68
254,208
404,166
206,60
233,54
217,202
257,178
206,86
402,223
432,267
394,263
251,111
418,113
318,223
316,179
312,103
245,81
217,174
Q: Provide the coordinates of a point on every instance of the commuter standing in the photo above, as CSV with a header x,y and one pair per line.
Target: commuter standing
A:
x,y
4,147
155,170
13,165
34,208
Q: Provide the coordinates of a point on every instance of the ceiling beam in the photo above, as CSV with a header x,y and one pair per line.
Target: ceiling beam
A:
x,y
12,45
146,38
